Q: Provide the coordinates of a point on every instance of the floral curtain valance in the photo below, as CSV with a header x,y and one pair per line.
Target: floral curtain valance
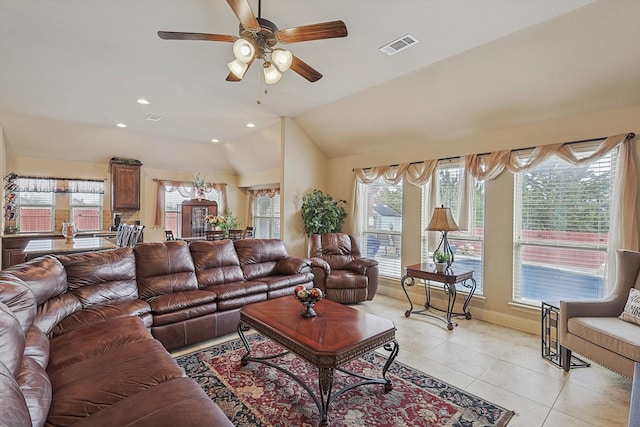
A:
x,y
59,185
264,192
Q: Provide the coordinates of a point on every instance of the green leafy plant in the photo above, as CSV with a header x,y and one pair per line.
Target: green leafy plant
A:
x,y
231,222
441,257
321,213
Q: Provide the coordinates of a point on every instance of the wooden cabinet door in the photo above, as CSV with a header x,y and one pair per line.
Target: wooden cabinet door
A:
x,y
125,187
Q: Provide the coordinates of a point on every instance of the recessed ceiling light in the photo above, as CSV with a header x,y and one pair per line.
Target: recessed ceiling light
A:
x,y
215,140
251,125
142,101
121,125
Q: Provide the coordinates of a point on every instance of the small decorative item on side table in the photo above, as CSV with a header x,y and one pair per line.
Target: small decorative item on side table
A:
x,y
550,345
449,279
308,298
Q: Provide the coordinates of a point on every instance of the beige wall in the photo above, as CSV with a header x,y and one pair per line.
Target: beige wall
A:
x,y
304,168
496,305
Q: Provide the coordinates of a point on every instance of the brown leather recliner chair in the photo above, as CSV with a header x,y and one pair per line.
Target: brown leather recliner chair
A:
x,y
339,269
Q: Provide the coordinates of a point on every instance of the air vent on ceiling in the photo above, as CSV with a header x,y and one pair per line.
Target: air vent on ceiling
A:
x,y
400,44
153,118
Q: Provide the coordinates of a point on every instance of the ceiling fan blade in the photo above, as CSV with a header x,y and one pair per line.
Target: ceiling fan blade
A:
x,y
244,13
305,70
325,30
174,35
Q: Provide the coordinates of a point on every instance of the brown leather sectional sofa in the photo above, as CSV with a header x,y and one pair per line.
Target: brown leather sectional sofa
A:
x,y
84,337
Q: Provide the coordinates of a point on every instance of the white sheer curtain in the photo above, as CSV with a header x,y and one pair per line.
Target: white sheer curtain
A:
x,y
623,229
59,185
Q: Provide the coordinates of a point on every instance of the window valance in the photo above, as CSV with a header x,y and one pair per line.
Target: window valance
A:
x,y
264,192
59,185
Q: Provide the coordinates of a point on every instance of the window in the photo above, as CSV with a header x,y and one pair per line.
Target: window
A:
x,y
35,212
172,202
381,222
467,245
561,230
266,216
86,210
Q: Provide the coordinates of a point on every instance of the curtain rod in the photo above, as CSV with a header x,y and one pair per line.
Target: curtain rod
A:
x,y
61,179
630,135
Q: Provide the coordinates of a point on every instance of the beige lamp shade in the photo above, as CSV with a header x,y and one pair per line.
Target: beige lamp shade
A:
x,y
442,220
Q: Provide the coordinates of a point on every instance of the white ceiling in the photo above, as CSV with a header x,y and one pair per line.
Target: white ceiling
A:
x,y
480,64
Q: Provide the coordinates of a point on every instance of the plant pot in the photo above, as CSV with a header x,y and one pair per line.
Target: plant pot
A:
x,y
441,267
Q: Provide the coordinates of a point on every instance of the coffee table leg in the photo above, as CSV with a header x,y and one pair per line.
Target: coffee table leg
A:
x,y
325,382
394,348
241,328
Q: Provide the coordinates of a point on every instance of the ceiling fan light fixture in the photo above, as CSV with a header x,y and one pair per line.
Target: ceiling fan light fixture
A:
x,y
243,50
282,59
271,73
237,68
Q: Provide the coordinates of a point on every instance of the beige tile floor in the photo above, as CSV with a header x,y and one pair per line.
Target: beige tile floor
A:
x,y
503,366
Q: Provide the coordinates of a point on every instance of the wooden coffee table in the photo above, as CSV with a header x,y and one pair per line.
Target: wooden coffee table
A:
x,y
335,336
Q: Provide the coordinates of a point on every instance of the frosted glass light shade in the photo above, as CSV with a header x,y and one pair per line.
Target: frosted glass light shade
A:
x,y
271,74
281,59
243,50
237,68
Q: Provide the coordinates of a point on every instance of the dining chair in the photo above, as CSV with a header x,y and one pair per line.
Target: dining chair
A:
x,y
168,235
249,233
236,234
135,236
122,228
216,234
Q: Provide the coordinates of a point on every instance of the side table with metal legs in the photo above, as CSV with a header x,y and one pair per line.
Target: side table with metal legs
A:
x,y
450,278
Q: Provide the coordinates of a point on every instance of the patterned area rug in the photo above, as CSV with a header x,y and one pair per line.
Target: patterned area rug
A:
x,y
259,395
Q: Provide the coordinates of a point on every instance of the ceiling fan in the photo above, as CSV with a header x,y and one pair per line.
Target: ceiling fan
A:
x,y
258,38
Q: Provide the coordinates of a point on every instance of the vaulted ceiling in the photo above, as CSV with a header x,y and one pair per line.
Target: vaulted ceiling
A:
x,y
70,70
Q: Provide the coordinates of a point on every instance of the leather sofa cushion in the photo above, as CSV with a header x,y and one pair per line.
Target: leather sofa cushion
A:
x,y
172,302
36,389
13,410
259,257
101,277
55,310
237,290
611,333
279,281
184,314
45,276
12,342
16,295
37,346
216,262
95,383
179,402
100,313
233,303
164,268
83,343
345,279
335,248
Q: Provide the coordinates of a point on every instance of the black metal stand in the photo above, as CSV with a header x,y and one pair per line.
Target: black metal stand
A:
x,y
551,348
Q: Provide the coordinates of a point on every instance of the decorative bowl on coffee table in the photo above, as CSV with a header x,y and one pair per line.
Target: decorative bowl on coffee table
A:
x,y
308,298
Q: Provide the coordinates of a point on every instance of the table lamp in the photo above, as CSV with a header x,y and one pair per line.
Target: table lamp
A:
x,y
443,221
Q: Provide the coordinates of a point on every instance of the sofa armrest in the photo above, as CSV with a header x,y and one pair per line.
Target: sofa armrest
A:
x,y
319,263
360,265
293,265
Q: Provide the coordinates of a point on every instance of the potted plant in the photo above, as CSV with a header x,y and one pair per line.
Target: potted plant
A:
x,y
442,261
321,213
